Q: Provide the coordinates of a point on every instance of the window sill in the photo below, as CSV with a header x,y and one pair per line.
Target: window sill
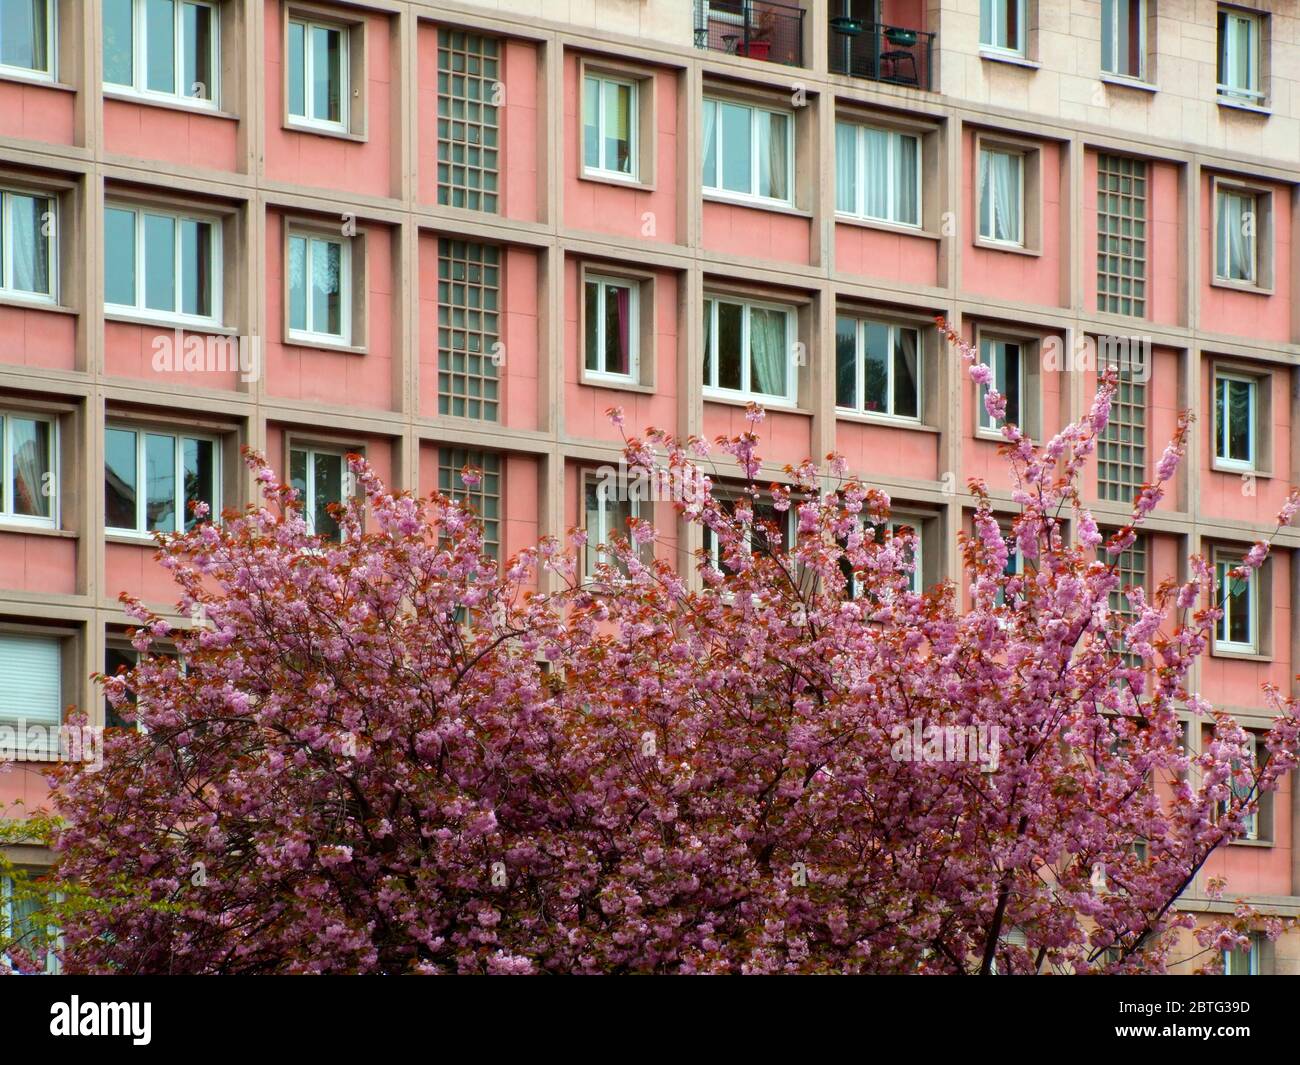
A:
x,y
884,421
622,384
1266,843
1247,287
1233,104
1241,656
602,177
18,528
755,204
35,77
174,104
1259,473
185,325
1122,82
324,131
768,403
1010,59
1014,249
33,303
130,539
886,227
323,343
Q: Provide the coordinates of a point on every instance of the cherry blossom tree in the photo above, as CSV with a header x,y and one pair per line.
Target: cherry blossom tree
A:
x,y
388,754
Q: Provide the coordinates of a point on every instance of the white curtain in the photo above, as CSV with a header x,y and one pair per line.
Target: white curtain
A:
x,y
875,173
768,351
710,144
846,168
30,246
1235,254
773,155
1000,195
29,443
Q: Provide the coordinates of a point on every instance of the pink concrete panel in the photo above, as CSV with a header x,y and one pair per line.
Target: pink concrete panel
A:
x,y
31,562
38,338
1240,497
756,233
1011,274
318,374
585,404
134,569
36,112
881,253
187,138
322,159
887,449
1258,870
157,354
1262,315
607,207
784,436
25,783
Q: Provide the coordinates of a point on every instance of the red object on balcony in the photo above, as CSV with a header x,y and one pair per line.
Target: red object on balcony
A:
x,y
755,49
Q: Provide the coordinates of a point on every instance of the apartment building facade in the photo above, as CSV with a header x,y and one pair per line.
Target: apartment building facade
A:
x,y
450,233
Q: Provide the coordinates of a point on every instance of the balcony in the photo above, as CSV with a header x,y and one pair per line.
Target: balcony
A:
x,y
892,54
759,29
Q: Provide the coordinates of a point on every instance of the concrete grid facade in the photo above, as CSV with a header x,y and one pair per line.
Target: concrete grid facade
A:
x,y
463,319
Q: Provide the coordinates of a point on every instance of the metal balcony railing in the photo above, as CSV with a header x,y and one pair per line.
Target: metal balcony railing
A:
x,y
891,54
759,29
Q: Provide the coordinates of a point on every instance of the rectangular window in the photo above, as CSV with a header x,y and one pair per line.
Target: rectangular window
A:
x,y
27,36
1121,235
1122,448
1236,402
321,479
162,48
878,368
877,174
27,248
1131,567
31,678
1243,961
162,264
609,121
1002,25
1236,255
320,288
1002,197
484,497
316,67
469,329
1123,37
611,327
604,517
151,478
1241,35
29,448
469,127
1006,358
748,151
749,349
895,527
771,531
1238,629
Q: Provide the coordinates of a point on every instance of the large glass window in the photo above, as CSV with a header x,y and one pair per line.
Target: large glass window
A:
x,y
158,263
162,47
748,151
1235,416
605,515
1002,196
28,462
1241,35
151,478
877,174
1002,25
748,349
611,326
609,112
321,479
1238,628
320,288
878,368
27,29
1006,358
317,81
1123,37
1236,255
27,250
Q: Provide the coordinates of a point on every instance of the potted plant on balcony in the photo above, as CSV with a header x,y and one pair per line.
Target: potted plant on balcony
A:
x,y
848,25
900,38
758,45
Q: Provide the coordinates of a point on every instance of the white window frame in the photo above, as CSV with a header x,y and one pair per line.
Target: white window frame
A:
x,y
50,73
1221,378
789,534
985,424
634,149
7,251
1221,242
987,213
59,647
1252,957
1112,28
311,335
891,175
7,515
140,57
746,392
1254,93
754,110
859,369
347,482
309,121
178,436
603,282
1223,562
895,526
998,18
601,535
215,268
